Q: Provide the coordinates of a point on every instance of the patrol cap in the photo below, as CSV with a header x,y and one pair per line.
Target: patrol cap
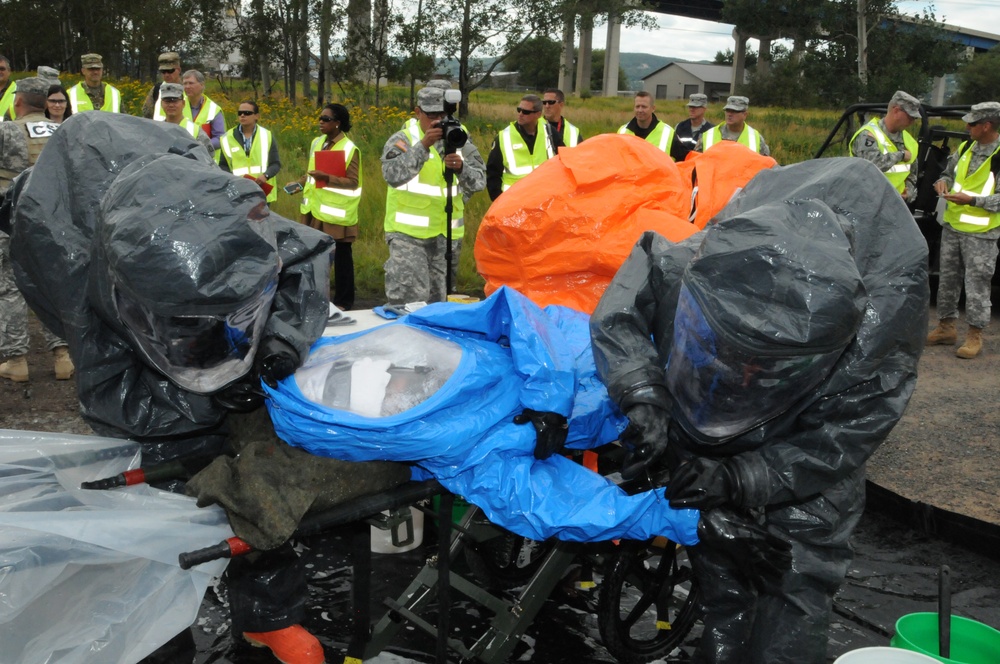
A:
x,y
169,59
907,102
48,72
171,91
988,110
698,100
736,104
34,86
91,61
439,83
431,100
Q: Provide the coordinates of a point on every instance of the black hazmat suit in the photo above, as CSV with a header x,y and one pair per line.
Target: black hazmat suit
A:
x,y
856,294
126,219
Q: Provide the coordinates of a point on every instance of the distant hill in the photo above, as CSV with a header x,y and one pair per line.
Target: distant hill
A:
x,y
635,65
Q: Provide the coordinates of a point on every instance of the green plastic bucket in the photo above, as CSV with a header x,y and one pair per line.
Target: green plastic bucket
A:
x,y
883,655
972,642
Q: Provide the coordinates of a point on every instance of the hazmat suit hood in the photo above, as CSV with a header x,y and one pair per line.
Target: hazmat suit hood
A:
x,y
766,307
143,202
202,326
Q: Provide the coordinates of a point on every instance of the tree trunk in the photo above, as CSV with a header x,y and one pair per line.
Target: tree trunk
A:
x,y
325,16
304,49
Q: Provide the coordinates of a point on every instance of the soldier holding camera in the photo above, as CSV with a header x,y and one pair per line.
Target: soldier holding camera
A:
x,y
419,162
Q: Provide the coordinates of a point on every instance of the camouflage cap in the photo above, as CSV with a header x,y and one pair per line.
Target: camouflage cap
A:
x,y
431,100
738,104
169,59
48,72
171,91
907,103
34,86
91,61
698,100
439,83
988,110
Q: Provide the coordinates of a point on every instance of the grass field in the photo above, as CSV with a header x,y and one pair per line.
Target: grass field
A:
x,y
792,135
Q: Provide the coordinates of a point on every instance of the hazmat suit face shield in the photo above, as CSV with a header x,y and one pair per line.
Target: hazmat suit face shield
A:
x,y
723,387
201,352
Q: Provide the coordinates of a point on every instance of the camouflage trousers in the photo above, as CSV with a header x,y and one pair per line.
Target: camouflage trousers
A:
x,y
415,271
14,311
970,260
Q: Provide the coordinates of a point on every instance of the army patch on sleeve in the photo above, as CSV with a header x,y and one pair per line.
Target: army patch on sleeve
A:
x,y
402,145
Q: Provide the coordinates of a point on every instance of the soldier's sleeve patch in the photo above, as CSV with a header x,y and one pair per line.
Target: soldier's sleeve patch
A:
x,y
402,145
869,141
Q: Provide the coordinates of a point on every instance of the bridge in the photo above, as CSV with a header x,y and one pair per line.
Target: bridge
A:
x,y
711,10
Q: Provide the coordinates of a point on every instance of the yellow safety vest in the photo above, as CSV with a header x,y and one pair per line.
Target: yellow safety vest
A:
x,y
332,205
80,102
969,218
749,137
898,173
7,101
240,163
416,207
570,134
661,136
517,161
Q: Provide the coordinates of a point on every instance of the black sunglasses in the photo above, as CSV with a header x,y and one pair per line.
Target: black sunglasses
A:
x,y
525,112
976,123
326,118
549,102
168,71
246,112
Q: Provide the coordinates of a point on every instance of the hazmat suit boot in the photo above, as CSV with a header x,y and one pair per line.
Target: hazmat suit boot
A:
x,y
63,364
15,369
944,333
291,645
973,343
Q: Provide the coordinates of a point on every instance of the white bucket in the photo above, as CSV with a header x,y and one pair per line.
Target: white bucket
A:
x,y
382,539
884,655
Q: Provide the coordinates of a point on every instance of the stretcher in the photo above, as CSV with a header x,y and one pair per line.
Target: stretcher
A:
x,y
646,607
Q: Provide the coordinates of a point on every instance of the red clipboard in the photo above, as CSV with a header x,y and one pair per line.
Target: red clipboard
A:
x,y
266,187
207,128
332,162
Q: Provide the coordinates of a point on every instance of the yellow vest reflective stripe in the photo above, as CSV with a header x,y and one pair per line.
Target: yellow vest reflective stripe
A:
x,y
416,208
661,136
570,134
240,163
80,102
7,102
898,173
969,218
333,205
749,137
517,161
191,128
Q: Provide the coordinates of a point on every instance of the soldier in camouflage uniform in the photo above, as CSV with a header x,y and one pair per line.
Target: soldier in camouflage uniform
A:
x,y
970,229
735,129
21,141
413,164
92,93
886,143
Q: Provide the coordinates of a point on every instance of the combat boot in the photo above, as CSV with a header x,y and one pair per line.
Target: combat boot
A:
x,y
973,343
15,369
291,645
944,333
63,364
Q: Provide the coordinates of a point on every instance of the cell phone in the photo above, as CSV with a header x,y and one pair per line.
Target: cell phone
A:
x,y
292,188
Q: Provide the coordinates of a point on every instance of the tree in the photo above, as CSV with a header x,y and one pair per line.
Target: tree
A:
x,y
537,62
979,78
597,73
726,57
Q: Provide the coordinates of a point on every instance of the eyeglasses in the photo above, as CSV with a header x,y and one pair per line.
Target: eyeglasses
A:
x,y
549,102
253,113
973,124
526,111
57,101
168,71
325,118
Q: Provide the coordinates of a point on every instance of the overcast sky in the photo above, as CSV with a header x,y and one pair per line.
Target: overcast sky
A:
x,y
691,39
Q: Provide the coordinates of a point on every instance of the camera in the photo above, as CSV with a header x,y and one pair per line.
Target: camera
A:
x,y
453,135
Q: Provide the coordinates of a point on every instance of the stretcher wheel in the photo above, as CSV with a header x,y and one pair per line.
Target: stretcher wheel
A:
x,y
506,561
648,601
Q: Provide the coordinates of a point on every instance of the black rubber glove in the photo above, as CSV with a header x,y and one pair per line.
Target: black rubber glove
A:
x,y
645,438
756,552
243,396
551,430
703,484
276,360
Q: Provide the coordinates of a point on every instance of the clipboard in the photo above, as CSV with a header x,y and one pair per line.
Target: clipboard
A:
x,y
207,128
266,187
332,162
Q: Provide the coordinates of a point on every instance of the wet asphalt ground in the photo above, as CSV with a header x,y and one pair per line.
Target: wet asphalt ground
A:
x,y
895,572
